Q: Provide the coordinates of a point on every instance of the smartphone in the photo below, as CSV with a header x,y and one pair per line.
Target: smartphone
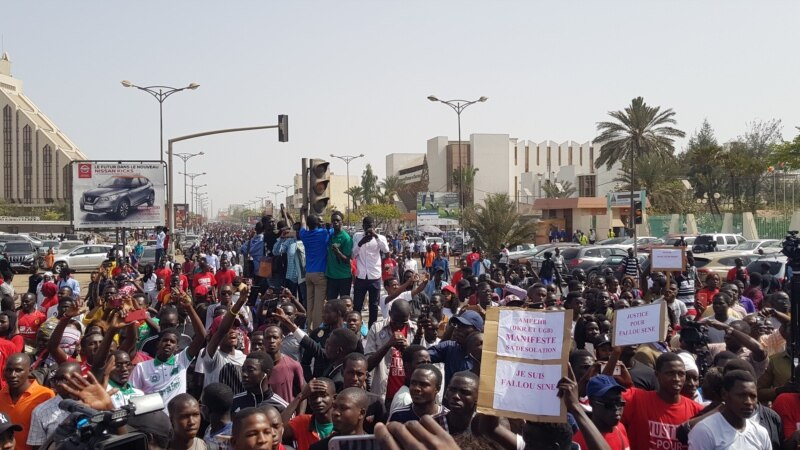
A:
x,y
617,370
271,305
362,442
136,316
116,302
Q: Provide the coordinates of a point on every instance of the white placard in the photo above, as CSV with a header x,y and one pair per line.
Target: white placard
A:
x,y
527,388
639,325
667,258
530,334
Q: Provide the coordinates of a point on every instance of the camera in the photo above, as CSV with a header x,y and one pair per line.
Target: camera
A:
x,y
87,428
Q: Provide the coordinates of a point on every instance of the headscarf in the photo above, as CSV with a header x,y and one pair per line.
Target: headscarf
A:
x,y
49,289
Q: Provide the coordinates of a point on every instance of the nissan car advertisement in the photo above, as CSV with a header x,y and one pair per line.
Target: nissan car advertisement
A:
x,y
118,194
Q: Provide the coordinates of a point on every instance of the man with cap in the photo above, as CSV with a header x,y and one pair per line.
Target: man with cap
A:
x,y
7,429
438,282
605,398
452,352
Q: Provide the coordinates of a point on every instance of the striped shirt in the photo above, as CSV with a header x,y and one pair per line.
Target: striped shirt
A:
x,y
631,267
248,399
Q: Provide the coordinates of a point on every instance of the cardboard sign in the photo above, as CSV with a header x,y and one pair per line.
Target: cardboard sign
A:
x,y
668,258
525,354
640,325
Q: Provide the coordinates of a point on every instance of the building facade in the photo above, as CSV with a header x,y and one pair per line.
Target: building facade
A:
x,y
36,155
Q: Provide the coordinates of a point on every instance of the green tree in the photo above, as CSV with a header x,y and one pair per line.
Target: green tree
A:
x,y
636,131
747,161
702,161
788,153
558,189
468,177
357,195
497,222
369,185
391,186
382,213
660,180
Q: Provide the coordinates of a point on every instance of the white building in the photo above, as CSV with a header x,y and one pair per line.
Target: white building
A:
x,y
337,186
407,166
36,155
518,167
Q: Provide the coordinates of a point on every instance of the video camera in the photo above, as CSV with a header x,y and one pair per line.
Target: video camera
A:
x,y
87,428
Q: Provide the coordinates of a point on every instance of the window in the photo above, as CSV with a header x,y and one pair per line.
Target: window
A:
x,y
538,162
8,166
730,240
587,185
580,156
27,165
47,172
569,156
515,155
591,158
527,158
559,156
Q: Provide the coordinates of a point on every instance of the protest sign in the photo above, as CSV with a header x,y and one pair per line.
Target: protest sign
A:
x,y
525,354
667,258
640,325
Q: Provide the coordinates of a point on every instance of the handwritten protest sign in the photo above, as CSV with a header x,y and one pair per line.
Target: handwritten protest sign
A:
x,y
527,334
668,258
640,325
525,354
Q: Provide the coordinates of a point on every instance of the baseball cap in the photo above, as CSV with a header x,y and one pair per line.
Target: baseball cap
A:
x,y
463,284
511,300
450,289
6,424
470,319
598,385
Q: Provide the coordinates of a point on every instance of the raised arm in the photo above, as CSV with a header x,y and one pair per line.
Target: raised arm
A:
x,y
199,330
225,325
55,339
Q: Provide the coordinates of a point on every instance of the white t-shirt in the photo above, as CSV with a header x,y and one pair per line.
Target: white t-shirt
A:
x,y
405,295
714,432
167,379
221,368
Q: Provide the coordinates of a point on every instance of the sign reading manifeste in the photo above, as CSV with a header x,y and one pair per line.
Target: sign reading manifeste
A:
x,y
640,325
110,194
525,354
437,208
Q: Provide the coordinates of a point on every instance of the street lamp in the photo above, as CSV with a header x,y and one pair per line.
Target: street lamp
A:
x,y
286,188
190,175
283,133
275,204
347,159
160,93
185,157
195,190
459,106
263,206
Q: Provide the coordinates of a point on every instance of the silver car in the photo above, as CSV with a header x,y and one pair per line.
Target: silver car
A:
x,y
83,257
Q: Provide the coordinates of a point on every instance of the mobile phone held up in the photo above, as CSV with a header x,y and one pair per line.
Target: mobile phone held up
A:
x,y
136,316
362,442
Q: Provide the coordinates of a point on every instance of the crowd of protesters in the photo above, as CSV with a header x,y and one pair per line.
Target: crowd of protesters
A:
x,y
256,339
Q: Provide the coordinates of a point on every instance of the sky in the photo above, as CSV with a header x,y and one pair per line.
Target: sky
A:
x,y
353,76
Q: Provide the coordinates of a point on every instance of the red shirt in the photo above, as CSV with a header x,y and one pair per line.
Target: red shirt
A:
x,y
164,273
205,279
456,278
651,422
225,277
29,324
388,272
617,438
732,273
48,302
472,257
788,407
397,374
184,283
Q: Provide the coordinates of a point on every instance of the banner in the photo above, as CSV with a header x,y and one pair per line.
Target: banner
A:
x,y
118,194
670,259
437,208
525,354
181,212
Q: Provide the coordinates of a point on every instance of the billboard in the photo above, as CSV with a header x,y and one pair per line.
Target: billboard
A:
x,y
110,194
437,208
181,212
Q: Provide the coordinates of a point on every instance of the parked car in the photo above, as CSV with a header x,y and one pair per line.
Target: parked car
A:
x,y
615,263
673,239
588,257
716,242
47,245
536,260
719,263
516,252
21,254
643,242
148,257
765,246
117,195
777,266
66,246
612,241
82,257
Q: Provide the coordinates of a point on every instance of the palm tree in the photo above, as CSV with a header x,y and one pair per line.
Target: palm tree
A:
x,y
468,176
369,185
553,190
497,222
660,181
391,186
637,131
357,194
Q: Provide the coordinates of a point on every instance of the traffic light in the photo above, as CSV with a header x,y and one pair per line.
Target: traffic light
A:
x,y
319,193
637,213
283,128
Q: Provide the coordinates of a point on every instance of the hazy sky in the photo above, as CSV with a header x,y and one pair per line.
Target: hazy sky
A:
x,y
354,75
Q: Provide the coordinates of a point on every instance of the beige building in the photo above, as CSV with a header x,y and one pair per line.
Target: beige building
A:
x,y
338,189
36,155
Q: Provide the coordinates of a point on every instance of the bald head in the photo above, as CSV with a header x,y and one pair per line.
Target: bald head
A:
x,y
356,395
20,358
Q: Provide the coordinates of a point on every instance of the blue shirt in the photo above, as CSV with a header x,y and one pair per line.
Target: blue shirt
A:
x,y
454,357
444,265
316,244
289,247
255,248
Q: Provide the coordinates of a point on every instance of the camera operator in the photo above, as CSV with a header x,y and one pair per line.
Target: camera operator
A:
x,y
693,339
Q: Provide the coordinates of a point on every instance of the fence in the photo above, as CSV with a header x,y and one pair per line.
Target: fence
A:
x,y
768,227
